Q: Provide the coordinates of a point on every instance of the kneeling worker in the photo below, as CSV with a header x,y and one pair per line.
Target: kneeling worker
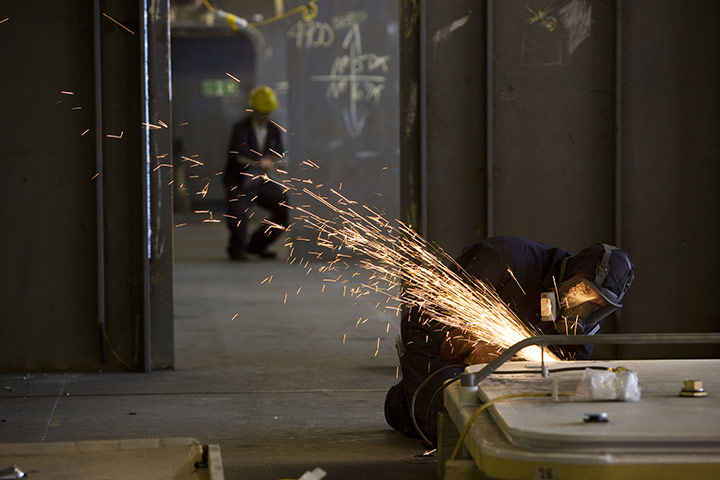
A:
x,y
256,150
590,284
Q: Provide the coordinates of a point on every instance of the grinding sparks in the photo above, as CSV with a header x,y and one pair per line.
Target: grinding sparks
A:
x,y
234,78
414,272
279,126
234,317
123,26
516,280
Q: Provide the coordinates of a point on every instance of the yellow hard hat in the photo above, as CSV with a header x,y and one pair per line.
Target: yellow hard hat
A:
x,y
263,99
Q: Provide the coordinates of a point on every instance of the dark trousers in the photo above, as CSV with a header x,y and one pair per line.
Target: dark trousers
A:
x,y
259,191
417,365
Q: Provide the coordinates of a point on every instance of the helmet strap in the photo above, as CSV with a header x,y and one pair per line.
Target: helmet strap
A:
x,y
603,266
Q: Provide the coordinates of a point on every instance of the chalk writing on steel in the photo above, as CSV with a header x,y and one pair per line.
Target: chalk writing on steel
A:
x,y
551,40
576,17
348,19
312,34
360,76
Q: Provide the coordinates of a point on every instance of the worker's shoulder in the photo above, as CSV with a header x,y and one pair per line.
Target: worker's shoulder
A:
x,y
509,248
507,243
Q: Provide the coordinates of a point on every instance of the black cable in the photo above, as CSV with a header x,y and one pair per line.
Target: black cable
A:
x,y
414,398
442,387
509,372
452,380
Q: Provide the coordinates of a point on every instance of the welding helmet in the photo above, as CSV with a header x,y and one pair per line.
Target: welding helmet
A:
x,y
263,99
595,282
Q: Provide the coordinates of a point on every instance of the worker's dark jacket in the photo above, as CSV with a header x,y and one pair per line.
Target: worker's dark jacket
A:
x,y
534,265
243,149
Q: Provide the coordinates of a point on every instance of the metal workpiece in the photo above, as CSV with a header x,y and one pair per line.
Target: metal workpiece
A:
x,y
524,432
603,339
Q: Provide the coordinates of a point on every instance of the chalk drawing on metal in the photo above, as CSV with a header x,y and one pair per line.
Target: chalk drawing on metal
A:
x,y
360,76
553,34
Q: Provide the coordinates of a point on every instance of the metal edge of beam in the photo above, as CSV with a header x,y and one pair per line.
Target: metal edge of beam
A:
x,y
146,196
618,124
618,218
99,191
424,221
489,116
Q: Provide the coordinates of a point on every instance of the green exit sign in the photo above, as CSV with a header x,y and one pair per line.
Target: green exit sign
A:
x,y
220,87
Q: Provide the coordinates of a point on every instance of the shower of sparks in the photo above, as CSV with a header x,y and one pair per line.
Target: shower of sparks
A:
x,y
414,272
194,162
86,131
279,126
123,26
234,78
4,20
116,136
204,191
234,316
516,280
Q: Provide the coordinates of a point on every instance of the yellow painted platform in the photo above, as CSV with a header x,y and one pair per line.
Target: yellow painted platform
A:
x,y
663,436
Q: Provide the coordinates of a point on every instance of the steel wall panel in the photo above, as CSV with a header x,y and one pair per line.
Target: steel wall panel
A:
x,y
48,281
671,64
554,118
455,123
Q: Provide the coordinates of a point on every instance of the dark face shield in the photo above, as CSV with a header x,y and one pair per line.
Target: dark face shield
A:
x,y
582,305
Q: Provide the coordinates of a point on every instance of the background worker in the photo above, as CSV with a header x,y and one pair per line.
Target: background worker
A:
x,y
256,151
590,286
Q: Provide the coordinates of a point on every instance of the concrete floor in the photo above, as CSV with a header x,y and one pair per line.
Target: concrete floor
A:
x,y
275,386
